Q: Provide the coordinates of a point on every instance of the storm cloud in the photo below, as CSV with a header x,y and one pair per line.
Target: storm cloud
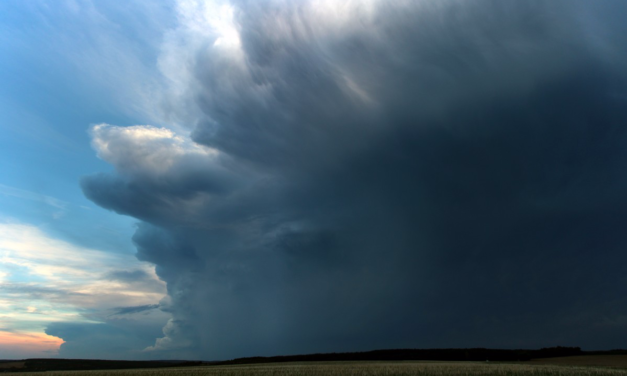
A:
x,y
378,174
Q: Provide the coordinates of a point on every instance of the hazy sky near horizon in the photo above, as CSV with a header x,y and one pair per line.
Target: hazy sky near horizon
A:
x,y
212,179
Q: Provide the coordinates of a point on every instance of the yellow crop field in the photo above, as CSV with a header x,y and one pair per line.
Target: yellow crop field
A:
x,y
358,369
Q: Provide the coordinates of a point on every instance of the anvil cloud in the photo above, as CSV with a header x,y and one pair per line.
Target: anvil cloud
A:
x,y
372,174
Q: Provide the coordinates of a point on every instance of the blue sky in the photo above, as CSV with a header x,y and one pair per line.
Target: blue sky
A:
x,y
65,66
53,88
210,179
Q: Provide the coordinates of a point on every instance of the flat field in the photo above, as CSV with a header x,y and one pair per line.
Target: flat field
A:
x,y
358,368
586,360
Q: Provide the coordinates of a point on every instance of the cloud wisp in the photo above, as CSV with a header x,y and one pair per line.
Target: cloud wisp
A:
x,y
382,174
60,207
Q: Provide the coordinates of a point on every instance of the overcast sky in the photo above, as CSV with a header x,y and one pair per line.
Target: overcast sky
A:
x,y
216,179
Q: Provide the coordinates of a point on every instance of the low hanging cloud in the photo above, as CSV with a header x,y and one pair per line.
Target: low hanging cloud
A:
x,y
48,285
382,174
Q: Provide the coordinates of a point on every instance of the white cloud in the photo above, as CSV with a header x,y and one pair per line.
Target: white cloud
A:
x,y
145,149
214,19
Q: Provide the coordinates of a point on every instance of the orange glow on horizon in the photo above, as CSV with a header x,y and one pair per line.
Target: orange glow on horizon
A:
x,y
32,344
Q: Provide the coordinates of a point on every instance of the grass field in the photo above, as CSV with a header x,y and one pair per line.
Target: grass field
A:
x,y
586,360
359,368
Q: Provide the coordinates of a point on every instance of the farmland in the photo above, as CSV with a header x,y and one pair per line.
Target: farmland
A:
x,y
361,369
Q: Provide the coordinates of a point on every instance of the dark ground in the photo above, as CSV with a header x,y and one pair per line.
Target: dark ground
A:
x,y
553,355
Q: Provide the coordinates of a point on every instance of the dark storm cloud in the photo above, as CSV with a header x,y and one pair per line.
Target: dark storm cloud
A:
x,y
137,309
413,175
